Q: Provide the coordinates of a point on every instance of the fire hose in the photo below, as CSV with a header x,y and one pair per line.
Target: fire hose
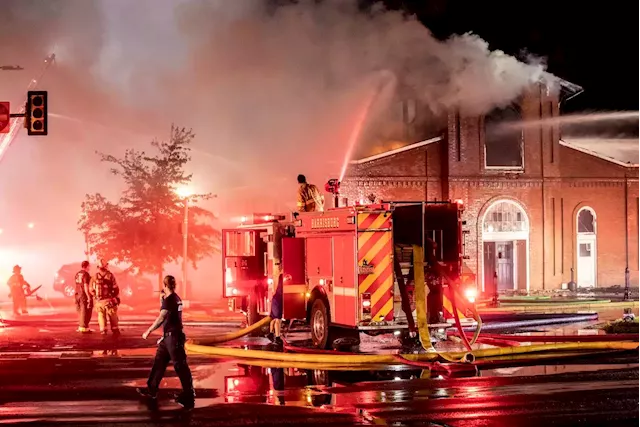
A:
x,y
335,360
390,359
421,291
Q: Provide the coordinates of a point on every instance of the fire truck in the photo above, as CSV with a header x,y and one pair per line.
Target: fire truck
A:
x,y
338,265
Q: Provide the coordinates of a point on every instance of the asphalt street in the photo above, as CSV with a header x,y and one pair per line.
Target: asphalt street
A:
x,y
53,376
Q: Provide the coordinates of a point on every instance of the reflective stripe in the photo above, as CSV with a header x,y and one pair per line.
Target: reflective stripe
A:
x,y
347,291
294,289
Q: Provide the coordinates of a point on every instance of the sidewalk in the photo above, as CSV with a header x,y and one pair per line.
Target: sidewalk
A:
x,y
558,306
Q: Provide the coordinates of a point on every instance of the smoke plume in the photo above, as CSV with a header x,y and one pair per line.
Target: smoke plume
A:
x,y
271,90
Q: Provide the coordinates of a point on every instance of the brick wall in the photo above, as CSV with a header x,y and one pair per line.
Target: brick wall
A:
x,y
556,182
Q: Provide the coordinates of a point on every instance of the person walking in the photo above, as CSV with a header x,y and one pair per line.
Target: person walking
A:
x,y
170,347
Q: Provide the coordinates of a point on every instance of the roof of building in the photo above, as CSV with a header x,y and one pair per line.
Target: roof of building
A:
x,y
396,151
567,89
621,151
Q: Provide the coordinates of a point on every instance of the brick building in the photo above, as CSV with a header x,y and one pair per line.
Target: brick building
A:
x,y
536,206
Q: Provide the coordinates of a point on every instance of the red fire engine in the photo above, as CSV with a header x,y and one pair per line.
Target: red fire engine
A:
x,y
339,264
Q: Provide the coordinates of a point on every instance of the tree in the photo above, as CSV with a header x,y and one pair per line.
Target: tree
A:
x,y
143,228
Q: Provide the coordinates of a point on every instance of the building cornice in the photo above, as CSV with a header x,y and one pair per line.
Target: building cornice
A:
x,y
489,182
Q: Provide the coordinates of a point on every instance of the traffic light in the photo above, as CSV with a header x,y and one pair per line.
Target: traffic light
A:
x,y
36,113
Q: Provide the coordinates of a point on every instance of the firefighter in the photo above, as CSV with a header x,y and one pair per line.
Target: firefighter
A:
x,y
19,289
170,347
276,312
84,297
107,295
309,197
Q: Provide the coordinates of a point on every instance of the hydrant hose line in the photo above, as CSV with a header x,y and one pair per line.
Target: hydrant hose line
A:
x,y
390,359
339,361
219,339
421,293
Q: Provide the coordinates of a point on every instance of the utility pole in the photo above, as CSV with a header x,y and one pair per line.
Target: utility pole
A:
x,y
185,240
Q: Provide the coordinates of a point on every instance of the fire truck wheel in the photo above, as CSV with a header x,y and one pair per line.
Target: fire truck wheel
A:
x,y
320,324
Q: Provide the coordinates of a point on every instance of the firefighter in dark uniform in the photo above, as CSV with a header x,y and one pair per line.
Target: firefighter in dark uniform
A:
x,y
107,295
170,347
19,289
277,302
84,297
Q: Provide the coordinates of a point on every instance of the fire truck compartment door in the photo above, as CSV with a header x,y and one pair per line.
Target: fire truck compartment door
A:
x,y
345,296
294,291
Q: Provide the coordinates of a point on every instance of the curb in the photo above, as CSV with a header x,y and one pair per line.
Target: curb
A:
x,y
555,308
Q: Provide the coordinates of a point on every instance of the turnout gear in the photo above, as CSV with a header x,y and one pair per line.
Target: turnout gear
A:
x,y
106,293
19,289
309,198
84,302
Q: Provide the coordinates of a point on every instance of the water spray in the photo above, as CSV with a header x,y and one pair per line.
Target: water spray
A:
x,y
387,85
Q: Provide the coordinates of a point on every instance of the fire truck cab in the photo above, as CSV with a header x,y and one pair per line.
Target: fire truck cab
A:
x,y
338,264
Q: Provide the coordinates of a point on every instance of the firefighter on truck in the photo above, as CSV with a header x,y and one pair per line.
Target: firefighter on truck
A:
x,y
309,197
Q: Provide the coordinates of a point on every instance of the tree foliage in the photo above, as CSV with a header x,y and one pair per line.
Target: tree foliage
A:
x,y
143,228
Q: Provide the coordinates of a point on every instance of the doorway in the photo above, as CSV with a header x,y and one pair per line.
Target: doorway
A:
x,y
505,236
506,262
586,248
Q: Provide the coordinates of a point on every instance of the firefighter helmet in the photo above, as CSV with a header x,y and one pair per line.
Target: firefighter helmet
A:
x,y
17,269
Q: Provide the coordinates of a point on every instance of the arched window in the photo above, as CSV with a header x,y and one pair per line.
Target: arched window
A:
x,y
505,217
586,221
503,139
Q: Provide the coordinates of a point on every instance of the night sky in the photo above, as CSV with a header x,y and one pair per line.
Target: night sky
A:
x,y
592,44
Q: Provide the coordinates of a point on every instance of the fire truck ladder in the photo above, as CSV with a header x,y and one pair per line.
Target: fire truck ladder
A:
x,y
17,123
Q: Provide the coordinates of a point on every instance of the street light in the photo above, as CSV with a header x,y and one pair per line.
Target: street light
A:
x,y
185,194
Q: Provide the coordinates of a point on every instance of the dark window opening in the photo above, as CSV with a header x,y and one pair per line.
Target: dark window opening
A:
x,y
586,222
240,244
503,138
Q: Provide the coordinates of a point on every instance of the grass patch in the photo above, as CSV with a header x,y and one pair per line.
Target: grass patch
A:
x,y
622,327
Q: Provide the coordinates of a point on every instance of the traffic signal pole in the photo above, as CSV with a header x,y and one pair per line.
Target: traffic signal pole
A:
x,y
14,126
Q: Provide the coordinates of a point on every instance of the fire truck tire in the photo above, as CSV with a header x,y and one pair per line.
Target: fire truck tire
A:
x,y
319,322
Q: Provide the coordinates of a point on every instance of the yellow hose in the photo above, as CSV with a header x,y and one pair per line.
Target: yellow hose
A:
x,y
388,359
421,293
218,339
375,361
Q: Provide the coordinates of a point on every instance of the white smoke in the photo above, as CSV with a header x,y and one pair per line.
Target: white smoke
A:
x,y
270,91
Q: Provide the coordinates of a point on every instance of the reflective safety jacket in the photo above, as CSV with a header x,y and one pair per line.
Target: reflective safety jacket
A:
x,y
104,285
310,199
17,283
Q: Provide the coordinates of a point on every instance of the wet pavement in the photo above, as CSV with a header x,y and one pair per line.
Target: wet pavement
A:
x,y
53,376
